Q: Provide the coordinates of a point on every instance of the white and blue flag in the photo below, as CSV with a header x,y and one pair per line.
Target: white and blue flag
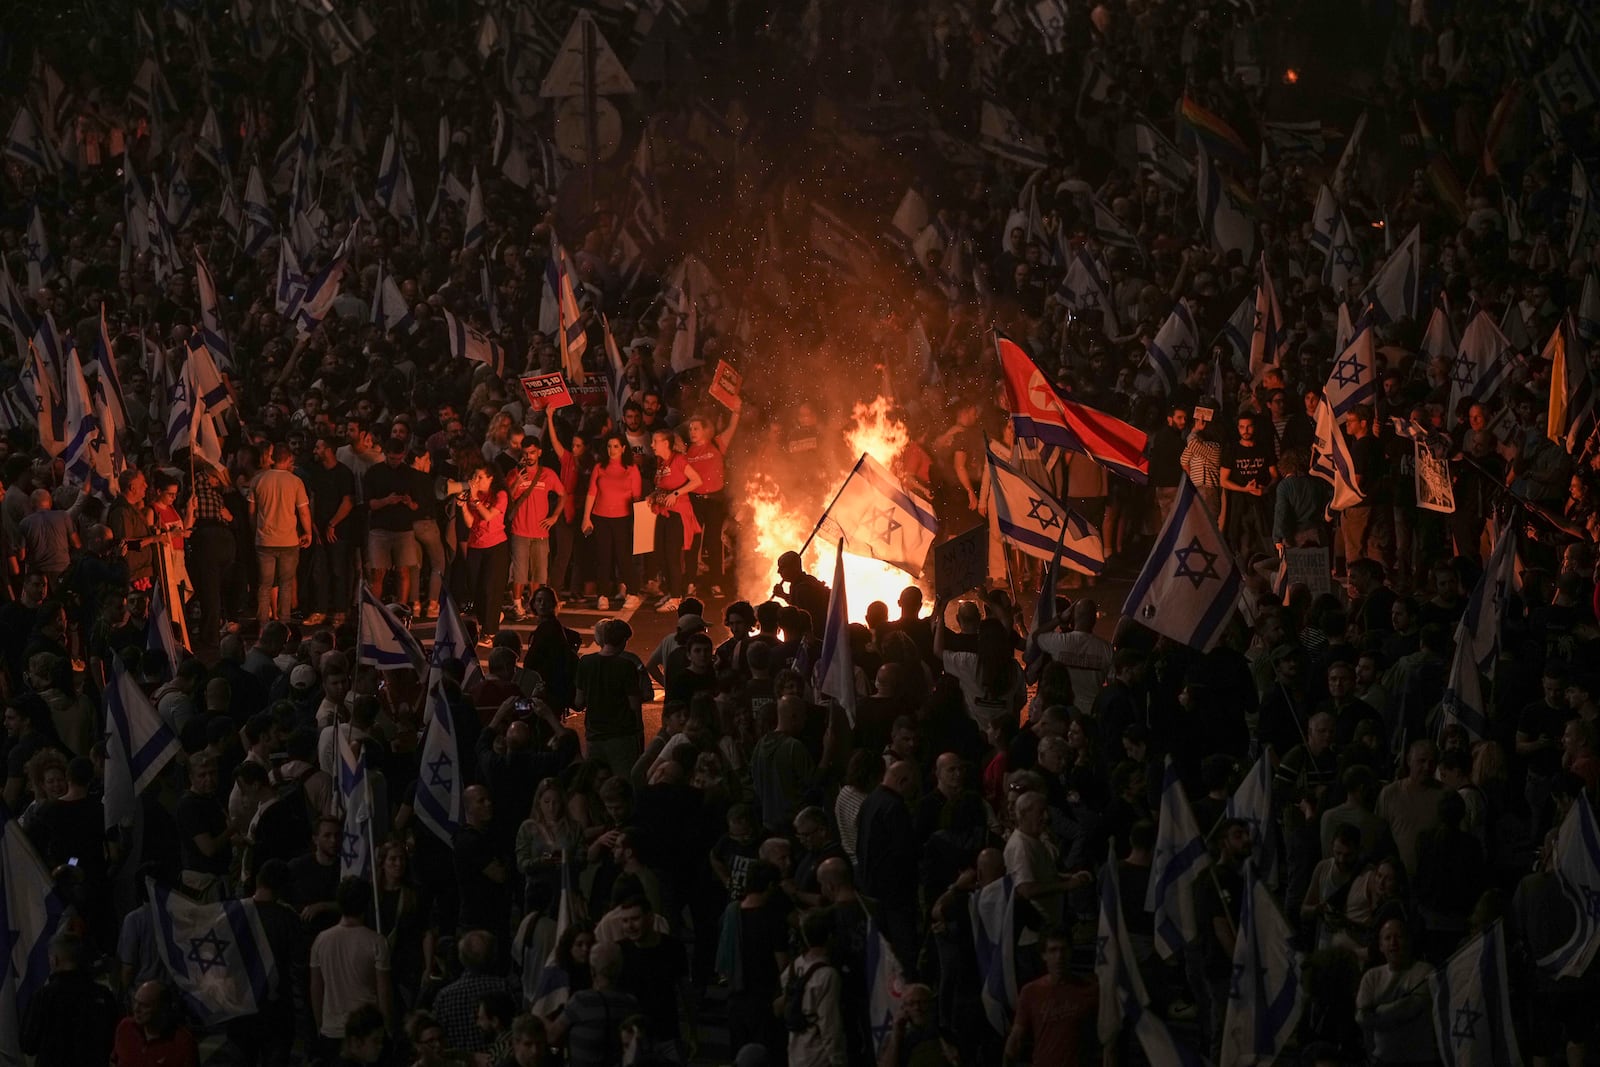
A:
x,y
208,145
139,744
258,221
102,367
1190,583
439,787
551,986
36,248
30,912
1588,314
389,307
25,143
385,643
1180,857
1252,802
475,230
877,516
836,669
159,636
395,193
994,937
1577,865
1269,333
451,643
1472,1004
885,986
1265,996
355,798
83,425
1035,522
1224,211
1393,291
211,331
1174,346
217,954
1354,377
1123,998
1478,638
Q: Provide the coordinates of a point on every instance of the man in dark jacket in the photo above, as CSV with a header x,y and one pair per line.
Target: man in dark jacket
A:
x,y
72,1019
886,849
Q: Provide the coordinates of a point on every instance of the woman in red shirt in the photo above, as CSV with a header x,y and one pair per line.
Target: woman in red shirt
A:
x,y
707,455
488,555
614,485
675,521
564,538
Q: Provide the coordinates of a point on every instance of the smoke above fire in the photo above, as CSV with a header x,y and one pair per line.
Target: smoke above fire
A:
x,y
785,494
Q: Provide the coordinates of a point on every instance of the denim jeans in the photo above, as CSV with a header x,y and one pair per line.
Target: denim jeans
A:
x,y
430,547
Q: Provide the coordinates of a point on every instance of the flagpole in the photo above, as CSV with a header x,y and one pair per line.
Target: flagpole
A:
x,y
831,503
372,851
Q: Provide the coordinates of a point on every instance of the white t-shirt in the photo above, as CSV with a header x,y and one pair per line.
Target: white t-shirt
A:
x,y
963,666
349,958
1028,859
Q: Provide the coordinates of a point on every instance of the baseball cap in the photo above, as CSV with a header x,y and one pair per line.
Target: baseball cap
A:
x,y
303,677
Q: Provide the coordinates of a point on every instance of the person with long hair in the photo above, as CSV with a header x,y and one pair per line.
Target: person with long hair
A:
x,y
547,838
488,556
706,454
614,485
992,682
411,939
676,524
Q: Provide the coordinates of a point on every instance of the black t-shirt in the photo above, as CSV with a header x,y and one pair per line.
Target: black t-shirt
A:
x,y
484,902
737,856
607,683
1541,720
1214,897
382,480
311,882
1249,464
683,685
74,829
652,975
327,486
203,815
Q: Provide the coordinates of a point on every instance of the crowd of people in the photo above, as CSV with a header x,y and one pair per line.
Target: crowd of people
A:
x,y
611,888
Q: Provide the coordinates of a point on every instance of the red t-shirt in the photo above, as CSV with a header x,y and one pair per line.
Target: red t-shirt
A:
x,y
535,503
707,460
133,1049
569,482
671,477
489,530
615,488
1054,1017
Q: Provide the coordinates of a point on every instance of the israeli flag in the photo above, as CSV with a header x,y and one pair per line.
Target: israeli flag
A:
x,y
83,426
1478,638
1589,309
1252,802
451,643
1482,362
208,146
355,796
1224,210
1173,346
159,636
139,744
1578,867
25,142
1180,857
102,367
1393,290
877,516
551,986
994,937
1269,335
217,954
475,230
438,799
211,311
395,193
1354,377
885,985
36,247
389,307
1123,997
1190,583
1472,1004
836,672
385,643
1265,997
1032,519
30,912
259,224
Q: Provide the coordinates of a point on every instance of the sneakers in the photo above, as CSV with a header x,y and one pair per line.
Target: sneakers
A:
x,y
716,590
315,618
433,609
693,590
667,604
631,603
416,609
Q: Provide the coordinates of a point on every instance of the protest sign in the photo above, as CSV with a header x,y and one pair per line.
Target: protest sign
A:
x,y
961,563
725,385
546,391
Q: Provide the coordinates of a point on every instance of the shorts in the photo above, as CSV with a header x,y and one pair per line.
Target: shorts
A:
x,y
529,559
387,549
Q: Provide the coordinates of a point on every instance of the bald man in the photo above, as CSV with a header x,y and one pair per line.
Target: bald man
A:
x,y
46,539
886,848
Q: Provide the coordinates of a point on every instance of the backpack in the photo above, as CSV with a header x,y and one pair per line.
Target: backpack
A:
x,y
795,1019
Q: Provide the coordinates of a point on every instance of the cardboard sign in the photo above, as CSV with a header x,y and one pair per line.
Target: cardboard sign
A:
x,y
1310,567
961,563
546,391
644,528
725,385
1204,414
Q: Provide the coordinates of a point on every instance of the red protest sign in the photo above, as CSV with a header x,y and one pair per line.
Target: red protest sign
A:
x,y
546,391
725,386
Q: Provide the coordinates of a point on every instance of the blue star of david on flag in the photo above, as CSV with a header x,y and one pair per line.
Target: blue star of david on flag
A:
x,y
1186,567
1465,1026
436,771
208,952
1041,512
1348,370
